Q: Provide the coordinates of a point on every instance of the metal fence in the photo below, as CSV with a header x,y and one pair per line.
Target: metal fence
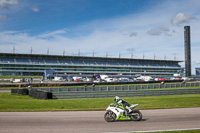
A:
x,y
137,93
120,88
123,91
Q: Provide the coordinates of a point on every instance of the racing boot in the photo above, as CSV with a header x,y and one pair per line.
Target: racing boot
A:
x,y
129,109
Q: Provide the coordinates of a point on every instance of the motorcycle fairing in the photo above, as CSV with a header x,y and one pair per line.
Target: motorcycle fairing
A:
x,y
119,111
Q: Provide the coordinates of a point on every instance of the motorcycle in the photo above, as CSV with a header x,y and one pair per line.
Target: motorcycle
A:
x,y
118,112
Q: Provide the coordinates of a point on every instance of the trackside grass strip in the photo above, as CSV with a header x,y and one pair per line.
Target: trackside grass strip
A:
x,y
10,102
183,131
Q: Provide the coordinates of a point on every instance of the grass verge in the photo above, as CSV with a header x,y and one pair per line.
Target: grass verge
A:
x,y
183,131
10,102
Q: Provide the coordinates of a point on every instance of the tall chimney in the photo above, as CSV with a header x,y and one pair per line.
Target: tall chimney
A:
x,y
187,51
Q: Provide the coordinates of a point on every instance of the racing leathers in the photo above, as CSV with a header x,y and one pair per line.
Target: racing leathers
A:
x,y
124,104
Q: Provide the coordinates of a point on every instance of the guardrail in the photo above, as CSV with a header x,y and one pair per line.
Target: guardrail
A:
x,y
137,93
120,88
123,91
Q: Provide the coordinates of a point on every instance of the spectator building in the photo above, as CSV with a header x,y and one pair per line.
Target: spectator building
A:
x,y
38,64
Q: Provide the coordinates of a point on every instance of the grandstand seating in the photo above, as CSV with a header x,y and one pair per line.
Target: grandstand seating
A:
x,y
47,61
153,64
7,60
62,61
37,61
134,64
100,63
22,60
77,62
73,64
113,63
85,62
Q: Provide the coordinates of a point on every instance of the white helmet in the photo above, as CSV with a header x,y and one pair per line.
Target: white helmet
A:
x,y
116,98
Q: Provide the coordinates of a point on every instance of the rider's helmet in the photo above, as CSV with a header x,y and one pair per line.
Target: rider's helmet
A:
x,y
116,99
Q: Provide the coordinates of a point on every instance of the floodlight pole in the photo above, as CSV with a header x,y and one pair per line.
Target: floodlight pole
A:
x,y
187,51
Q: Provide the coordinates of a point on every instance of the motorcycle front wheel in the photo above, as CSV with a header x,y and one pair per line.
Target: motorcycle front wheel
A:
x,y
110,116
137,116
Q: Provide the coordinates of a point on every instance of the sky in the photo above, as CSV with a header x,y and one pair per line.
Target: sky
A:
x,y
149,29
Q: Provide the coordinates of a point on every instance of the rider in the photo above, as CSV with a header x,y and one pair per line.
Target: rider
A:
x,y
123,103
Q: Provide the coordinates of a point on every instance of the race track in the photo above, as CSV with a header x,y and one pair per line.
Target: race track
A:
x,y
93,121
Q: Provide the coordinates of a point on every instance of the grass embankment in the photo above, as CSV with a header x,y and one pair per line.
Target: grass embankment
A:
x,y
10,102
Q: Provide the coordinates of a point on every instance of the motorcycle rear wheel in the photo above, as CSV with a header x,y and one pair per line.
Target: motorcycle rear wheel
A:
x,y
136,117
110,116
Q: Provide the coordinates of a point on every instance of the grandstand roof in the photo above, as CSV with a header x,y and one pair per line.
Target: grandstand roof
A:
x,y
81,57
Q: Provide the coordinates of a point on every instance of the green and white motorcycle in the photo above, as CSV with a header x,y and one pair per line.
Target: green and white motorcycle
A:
x,y
118,112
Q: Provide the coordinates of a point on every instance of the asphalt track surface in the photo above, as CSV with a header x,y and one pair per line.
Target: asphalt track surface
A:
x,y
93,121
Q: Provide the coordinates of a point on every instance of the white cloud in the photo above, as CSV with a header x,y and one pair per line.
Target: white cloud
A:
x,y
157,31
131,34
197,62
182,18
35,9
3,17
54,33
130,49
7,3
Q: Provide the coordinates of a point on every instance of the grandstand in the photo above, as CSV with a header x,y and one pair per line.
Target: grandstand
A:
x,y
37,64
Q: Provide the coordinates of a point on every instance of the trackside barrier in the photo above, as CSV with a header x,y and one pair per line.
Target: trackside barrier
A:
x,y
119,88
40,94
124,91
19,92
137,93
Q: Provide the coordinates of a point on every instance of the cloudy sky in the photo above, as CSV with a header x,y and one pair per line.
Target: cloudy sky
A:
x,y
127,28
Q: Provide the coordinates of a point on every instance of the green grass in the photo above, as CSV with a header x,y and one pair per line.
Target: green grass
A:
x,y
10,102
183,131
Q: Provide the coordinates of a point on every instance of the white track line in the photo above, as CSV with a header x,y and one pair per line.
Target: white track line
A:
x,y
157,130
168,130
